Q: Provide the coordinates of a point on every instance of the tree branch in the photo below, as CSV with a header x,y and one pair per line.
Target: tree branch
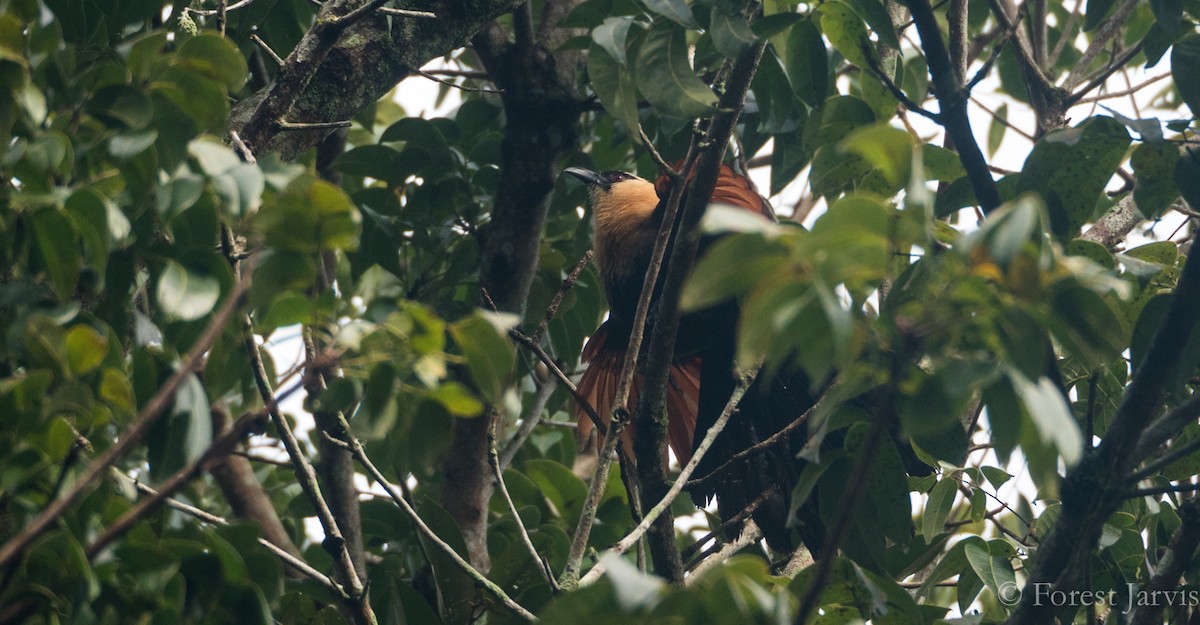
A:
x,y
650,445
132,435
953,103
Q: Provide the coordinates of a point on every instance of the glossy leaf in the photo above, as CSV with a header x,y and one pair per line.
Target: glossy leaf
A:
x,y
665,77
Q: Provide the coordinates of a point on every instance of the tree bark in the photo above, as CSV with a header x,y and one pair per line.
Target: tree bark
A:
x,y
542,110
369,59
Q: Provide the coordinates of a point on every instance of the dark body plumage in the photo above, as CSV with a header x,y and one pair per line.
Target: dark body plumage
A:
x,y
627,213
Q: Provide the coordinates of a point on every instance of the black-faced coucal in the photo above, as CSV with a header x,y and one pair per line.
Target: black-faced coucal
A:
x,y
627,212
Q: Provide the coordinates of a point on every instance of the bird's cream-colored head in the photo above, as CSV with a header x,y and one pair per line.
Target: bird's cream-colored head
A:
x,y
622,203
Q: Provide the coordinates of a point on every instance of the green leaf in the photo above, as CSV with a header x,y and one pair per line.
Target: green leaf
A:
x,y
941,501
1185,54
489,353
677,11
889,150
612,35
201,98
731,34
1187,176
778,106
86,349
613,84
997,128
876,16
310,216
1096,12
807,62
375,161
665,77
124,105
940,164
1070,168
57,245
990,562
847,33
721,273
216,57
834,120
188,431
185,294
1051,416
130,144
457,400
1154,167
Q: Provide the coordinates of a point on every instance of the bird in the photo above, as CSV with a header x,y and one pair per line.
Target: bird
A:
x,y
627,212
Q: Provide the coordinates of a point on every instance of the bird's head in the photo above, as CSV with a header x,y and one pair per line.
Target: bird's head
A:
x,y
619,199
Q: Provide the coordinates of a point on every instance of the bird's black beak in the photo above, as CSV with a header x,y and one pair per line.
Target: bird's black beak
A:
x,y
587,176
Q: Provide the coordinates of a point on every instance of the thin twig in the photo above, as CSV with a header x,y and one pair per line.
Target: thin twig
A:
x,y
1161,463
566,285
742,515
266,48
1067,33
1100,40
587,517
335,543
443,81
300,126
1104,74
1125,92
761,446
656,157
1168,425
220,446
537,350
408,13
213,12
750,535
531,421
494,460
877,71
1162,490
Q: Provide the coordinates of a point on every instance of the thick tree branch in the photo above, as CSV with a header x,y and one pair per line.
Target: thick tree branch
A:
x,y
650,445
541,114
246,496
953,103
1116,224
328,81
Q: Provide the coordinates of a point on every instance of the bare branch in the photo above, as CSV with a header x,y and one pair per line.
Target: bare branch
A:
x,y
1111,28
